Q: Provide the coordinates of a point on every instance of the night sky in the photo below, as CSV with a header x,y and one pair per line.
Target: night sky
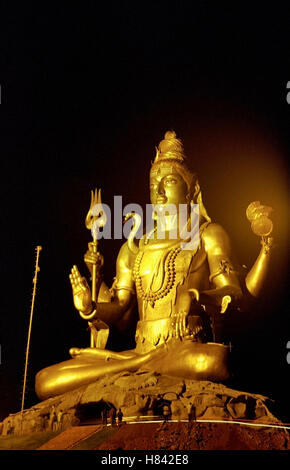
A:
x,y
87,92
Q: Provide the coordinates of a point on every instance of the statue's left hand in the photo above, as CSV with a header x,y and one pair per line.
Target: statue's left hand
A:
x,y
258,215
179,328
179,319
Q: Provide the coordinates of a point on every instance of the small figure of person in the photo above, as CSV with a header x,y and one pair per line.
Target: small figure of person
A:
x,y
166,413
112,415
155,404
120,417
191,413
59,420
104,415
53,419
9,427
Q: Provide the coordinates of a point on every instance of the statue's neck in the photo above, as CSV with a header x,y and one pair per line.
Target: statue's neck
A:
x,y
175,226
168,223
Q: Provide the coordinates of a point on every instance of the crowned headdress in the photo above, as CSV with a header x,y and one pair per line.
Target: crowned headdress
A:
x,y
170,152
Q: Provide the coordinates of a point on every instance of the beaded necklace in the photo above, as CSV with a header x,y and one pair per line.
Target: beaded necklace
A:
x,y
169,277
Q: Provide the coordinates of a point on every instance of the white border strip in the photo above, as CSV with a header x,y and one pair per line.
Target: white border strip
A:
x,y
242,423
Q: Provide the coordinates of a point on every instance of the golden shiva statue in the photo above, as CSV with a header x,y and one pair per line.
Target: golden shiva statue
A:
x,y
177,290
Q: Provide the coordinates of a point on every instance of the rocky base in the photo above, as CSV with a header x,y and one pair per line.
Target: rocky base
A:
x,y
141,394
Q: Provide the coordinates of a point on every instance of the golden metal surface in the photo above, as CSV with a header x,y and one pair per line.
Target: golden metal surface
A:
x,y
173,289
36,271
262,226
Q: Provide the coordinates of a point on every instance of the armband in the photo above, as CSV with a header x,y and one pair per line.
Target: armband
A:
x,y
225,268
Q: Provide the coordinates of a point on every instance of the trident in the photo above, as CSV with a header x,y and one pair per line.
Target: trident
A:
x,y
95,219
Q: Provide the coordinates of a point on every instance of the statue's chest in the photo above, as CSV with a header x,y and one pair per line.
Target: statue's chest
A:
x,y
156,263
157,272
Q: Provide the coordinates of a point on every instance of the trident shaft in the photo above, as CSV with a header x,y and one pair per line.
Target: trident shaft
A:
x,y
95,219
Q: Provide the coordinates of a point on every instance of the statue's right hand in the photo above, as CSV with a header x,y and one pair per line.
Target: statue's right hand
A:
x,y
81,292
91,258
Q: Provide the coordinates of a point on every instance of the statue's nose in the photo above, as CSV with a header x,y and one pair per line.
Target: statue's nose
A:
x,y
160,189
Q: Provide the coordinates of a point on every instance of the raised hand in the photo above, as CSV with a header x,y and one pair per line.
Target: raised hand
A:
x,y
81,292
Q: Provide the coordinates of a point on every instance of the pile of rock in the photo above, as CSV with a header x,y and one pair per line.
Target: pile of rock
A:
x,y
142,394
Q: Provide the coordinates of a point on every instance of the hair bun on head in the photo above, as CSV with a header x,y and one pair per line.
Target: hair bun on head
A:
x,y
170,148
170,135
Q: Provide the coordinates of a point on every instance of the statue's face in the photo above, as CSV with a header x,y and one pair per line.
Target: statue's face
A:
x,y
167,186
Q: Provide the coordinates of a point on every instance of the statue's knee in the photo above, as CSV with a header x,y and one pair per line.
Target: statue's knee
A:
x,y
43,384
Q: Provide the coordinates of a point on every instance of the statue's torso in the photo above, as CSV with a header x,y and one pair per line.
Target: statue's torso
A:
x,y
162,270
163,273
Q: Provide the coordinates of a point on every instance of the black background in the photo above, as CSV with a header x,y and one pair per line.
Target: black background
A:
x,y
87,91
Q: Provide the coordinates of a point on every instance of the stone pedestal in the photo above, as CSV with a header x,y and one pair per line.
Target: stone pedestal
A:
x,y
138,395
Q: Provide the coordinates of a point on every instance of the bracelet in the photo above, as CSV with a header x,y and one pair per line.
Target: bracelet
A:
x,y
91,315
267,244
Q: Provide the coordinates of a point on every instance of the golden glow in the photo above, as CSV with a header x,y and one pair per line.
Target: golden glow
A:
x,y
201,363
164,279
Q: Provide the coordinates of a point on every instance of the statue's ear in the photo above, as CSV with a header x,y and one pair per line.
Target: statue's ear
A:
x,y
197,199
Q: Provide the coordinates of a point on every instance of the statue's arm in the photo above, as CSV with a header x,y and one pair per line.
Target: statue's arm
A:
x,y
123,290
222,275
256,277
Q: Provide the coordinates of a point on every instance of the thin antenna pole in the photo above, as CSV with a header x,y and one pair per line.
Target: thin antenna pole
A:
x,y
37,269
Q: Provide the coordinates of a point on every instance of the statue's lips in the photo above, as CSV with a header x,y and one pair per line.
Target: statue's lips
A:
x,y
161,200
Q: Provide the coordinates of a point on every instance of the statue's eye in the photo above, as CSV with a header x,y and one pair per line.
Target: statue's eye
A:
x,y
171,181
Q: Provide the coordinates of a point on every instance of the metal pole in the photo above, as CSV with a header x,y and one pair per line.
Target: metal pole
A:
x,y
38,249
